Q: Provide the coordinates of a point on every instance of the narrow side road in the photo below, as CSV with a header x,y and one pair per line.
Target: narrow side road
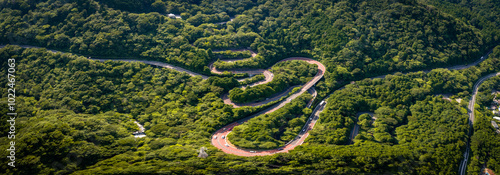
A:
x,y
470,110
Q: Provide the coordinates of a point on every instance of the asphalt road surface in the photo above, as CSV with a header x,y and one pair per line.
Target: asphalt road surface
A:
x,y
463,165
226,146
292,144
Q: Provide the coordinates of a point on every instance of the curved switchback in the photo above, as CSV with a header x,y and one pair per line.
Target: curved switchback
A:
x,y
227,147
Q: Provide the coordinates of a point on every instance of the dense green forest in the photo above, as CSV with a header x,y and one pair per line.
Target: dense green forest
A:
x,y
248,63
286,74
485,143
76,116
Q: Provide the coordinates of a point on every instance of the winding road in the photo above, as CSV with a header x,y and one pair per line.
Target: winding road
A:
x,y
355,129
470,111
229,148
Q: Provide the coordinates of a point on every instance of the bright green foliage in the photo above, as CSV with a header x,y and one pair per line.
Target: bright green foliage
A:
x,y
60,93
482,14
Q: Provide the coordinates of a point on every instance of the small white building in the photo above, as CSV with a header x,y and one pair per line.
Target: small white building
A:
x,y
494,124
171,15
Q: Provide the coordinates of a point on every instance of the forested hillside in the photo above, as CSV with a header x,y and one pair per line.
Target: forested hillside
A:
x,y
76,115
275,129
